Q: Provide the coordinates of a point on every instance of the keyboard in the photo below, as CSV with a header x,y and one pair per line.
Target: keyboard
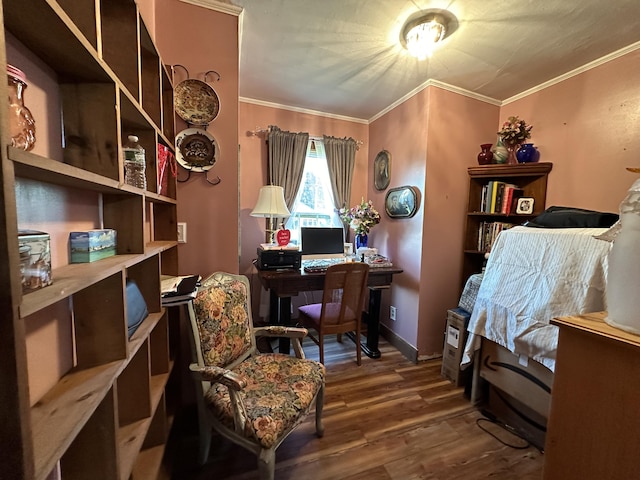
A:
x,y
320,265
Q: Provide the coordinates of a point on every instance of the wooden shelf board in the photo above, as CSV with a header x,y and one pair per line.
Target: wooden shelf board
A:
x,y
42,169
131,436
57,418
72,278
45,28
149,464
142,333
595,323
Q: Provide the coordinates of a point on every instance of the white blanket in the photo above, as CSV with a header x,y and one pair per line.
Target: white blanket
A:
x,y
532,276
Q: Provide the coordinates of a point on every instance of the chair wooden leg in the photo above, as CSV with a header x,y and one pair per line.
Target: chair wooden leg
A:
x,y
319,406
321,345
205,433
358,348
267,464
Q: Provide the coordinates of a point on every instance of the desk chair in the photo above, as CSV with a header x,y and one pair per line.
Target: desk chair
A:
x,y
253,399
340,312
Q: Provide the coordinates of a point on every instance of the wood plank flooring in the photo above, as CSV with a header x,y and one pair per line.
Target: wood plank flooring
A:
x,y
386,420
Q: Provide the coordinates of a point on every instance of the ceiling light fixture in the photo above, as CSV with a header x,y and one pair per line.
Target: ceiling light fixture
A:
x,y
424,30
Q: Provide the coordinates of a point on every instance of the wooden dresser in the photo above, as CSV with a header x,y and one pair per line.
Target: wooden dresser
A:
x,y
594,424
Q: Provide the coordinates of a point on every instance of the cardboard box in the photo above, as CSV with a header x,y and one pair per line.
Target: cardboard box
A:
x,y
455,337
35,259
92,245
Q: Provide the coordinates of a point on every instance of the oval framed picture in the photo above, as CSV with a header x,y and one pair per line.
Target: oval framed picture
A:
x,y
382,170
402,202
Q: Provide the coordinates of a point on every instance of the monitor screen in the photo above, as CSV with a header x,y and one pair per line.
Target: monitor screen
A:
x,y
322,242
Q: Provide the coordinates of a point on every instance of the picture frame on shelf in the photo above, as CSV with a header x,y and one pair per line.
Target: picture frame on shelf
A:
x,y
402,202
525,206
382,170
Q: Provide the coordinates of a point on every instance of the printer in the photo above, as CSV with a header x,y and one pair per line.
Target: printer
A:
x,y
278,259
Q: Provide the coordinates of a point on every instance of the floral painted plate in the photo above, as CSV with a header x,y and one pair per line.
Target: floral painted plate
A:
x,y
196,102
196,149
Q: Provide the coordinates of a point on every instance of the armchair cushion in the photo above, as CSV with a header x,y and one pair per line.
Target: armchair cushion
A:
x,y
279,387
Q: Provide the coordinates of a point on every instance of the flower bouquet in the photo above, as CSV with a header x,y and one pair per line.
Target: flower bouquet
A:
x,y
362,218
513,133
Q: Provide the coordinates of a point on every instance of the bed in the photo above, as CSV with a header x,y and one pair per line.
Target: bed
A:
x,y
532,275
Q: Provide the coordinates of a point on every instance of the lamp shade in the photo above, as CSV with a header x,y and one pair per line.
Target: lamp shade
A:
x,y
271,203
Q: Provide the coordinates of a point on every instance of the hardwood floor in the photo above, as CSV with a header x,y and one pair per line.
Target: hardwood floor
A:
x,y
388,419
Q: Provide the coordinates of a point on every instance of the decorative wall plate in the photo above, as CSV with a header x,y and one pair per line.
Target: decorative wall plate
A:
x,y
196,149
196,102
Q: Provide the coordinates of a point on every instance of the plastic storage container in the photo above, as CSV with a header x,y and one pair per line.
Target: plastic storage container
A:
x,y
134,163
623,276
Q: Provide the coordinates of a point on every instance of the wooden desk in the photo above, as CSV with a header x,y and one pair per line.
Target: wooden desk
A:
x,y
594,425
284,284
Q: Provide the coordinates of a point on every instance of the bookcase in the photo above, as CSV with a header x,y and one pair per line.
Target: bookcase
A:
x,y
481,219
108,415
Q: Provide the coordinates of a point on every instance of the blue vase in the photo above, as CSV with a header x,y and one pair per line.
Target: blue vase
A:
x,y
361,240
527,153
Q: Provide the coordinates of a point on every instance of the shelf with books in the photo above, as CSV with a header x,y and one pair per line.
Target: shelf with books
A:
x,y
494,191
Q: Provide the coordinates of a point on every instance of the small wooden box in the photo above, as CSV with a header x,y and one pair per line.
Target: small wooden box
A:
x,y
455,336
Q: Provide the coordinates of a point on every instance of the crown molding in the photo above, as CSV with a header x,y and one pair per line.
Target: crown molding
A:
x,y
302,110
443,86
575,72
217,6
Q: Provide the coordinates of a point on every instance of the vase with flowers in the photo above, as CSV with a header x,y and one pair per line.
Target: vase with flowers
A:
x,y
513,133
362,218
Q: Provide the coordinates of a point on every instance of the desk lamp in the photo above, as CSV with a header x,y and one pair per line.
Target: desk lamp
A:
x,y
271,205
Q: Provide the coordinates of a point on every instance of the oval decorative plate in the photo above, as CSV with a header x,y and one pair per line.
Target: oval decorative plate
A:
x,y
196,102
196,149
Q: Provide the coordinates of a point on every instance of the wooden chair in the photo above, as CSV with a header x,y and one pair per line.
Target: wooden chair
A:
x,y
340,312
253,399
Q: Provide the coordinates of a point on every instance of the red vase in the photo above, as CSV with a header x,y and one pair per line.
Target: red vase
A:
x,y
485,157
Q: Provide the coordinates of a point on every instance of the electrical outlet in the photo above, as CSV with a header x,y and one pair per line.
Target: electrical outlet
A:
x,y
182,232
392,312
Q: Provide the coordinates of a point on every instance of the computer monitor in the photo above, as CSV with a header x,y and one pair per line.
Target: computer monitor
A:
x,y
322,242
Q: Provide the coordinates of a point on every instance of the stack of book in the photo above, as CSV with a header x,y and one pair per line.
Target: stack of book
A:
x,y
179,290
488,232
500,197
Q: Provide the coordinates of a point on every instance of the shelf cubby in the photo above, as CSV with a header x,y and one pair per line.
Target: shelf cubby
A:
x,y
106,415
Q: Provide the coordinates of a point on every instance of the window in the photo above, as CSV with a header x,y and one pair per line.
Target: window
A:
x,y
313,206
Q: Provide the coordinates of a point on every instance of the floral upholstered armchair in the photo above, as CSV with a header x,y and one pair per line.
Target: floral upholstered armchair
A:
x,y
251,398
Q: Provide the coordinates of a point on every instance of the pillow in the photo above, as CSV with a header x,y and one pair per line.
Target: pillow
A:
x,y
570,217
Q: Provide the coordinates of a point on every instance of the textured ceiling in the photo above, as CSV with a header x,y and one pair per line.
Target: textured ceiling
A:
x,y
343,57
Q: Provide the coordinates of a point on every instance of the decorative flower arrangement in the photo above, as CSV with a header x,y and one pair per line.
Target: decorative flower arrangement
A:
x,y
514,132
362,218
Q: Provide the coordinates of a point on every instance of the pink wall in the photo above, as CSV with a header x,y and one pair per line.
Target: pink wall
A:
x,y
433,137
586,125
202,39
253,162
589,127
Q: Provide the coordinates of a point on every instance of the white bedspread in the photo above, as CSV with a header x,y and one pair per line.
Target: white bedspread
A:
x,y
532,276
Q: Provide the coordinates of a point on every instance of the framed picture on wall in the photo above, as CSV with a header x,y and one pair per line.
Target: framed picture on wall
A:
x,y
382,170
402,202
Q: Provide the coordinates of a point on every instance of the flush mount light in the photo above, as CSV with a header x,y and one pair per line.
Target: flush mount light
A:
x,y
423,31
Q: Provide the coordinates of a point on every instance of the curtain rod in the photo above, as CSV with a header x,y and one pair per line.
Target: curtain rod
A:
x,y
260,131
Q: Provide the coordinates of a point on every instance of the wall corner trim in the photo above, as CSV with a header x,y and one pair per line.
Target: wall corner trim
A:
x,y
222,7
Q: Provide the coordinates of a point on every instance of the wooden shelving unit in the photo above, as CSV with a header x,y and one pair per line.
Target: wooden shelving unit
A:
x,y
109,415
531,177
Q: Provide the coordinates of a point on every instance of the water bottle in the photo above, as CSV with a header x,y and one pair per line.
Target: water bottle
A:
x,y
134,163
623,276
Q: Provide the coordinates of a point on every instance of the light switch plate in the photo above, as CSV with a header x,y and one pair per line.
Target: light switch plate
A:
x,y
182,232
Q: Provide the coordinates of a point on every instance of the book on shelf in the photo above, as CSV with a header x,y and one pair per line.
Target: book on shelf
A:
x,y
488,232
